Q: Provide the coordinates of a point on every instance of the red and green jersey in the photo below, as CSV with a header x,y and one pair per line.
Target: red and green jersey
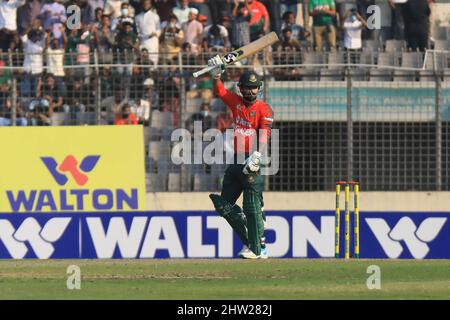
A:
x,y
250,122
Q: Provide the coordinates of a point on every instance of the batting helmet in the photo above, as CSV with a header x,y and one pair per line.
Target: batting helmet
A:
x,y
249,79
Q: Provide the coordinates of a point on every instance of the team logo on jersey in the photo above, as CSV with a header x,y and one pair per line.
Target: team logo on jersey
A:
x,y
252,114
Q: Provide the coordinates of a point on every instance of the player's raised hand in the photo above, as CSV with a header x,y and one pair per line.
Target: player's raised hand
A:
x,y
218,63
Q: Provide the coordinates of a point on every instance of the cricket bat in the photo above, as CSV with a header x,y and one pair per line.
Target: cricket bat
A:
x,y
243,52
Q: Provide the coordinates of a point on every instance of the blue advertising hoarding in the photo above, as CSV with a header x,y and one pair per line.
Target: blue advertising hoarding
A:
x,y
203,234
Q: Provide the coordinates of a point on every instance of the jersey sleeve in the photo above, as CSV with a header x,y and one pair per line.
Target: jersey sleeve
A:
x,y
229,98
265,13
265,123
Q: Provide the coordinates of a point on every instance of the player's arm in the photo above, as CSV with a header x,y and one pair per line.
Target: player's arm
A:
x,y
225,95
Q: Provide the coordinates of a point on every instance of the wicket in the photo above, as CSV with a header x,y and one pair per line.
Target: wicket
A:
x,y
347,230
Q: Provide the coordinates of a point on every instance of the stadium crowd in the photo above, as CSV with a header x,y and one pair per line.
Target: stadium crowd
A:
x,y
138,36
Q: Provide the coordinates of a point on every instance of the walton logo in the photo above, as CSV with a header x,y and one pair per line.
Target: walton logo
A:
x,y
40,239
70,165
415,238
70,199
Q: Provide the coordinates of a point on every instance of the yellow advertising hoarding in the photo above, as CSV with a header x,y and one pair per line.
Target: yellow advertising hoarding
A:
x,y
65,169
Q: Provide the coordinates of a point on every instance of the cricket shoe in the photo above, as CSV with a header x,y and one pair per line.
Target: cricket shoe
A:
x,y
264,254
244,251
249,255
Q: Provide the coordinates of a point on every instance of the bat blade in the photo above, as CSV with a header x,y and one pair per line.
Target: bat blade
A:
x,y
243,52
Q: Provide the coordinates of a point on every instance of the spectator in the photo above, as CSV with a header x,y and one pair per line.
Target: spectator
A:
x,y
126,116
225,120
5,108
203,20
362,6
79,45
341,7
55,49
85,14
225,21
203,9
106,87
9,40
323,12
53,94
8,14
113,105
193,31
417,24
112,8
149,29
165,9
273,6
398,24
28,14
172,38
259,24
144,60
125,14
240,24
385,32
78,98
220,8
150,95
5,76
141,109
98,18
182,11
215,38
201,88
203,116
40,112
94,5
126,43
53,15
8,24
126,39
286,54
137,6
104,38
433,20
136,87
289,5
169,99
33,48
353,25
298,32
288,44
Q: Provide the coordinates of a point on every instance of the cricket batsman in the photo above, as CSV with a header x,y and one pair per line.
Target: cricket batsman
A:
x,y
253,121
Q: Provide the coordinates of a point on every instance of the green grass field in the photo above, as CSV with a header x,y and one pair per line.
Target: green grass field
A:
x,y
225,279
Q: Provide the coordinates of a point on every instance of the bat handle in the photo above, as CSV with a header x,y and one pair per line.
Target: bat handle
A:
x,y
204,70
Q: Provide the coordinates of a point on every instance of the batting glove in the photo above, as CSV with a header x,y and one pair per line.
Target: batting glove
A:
x,y
220,66
251,165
